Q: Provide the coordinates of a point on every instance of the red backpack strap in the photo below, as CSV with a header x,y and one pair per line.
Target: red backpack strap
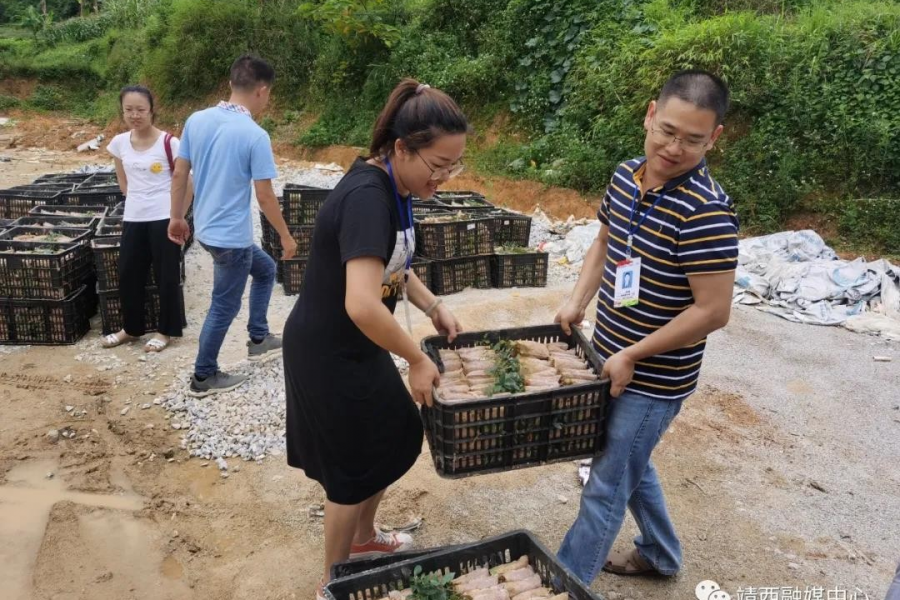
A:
x,y
167,142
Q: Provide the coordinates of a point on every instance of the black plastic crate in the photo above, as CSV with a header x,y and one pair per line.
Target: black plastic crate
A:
x,y
108,195
457,274
47,322
519,430
15,203
87,222
106,264
51,210
43,271
101,178
463,200
5,224
519,270
422,269
118,210
293,270
70,178
75,234
454,239
377,583
302,203
111,310
361,565
511,228
110,227
302,234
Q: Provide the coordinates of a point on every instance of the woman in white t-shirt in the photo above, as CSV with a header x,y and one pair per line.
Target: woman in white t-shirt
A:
x,y
144,159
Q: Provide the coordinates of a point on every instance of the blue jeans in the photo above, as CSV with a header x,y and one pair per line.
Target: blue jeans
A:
x,y
893,592
621,477
231,268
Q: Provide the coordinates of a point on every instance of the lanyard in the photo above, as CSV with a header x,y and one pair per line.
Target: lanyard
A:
x,y
404,227
400,211
635,227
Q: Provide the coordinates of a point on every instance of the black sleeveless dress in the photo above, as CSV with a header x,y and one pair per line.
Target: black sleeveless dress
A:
x,y
351,423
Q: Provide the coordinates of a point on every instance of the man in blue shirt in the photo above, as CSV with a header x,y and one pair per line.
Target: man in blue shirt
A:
x,y
228,151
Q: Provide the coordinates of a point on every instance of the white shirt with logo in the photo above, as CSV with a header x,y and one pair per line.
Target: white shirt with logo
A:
x,y
149,177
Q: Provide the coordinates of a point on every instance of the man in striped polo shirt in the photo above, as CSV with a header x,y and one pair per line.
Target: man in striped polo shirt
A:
x,y
664,264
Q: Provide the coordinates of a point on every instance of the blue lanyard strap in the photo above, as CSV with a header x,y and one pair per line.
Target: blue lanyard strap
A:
x,y
400,212
635,227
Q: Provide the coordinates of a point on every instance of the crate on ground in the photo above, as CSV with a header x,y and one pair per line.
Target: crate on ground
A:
x,y
15,203
54,210
106,264
111,310
511,228
110,227
105,195
422,268
5,224
47,322
118,210
519,430
422,208
43,270
100,178
463,200
519,269
456,274
46,235
302,203
502,549
454,236
70,178
51,221
293,270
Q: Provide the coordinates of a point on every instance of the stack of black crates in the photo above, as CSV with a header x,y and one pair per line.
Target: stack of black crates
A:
x,y
300,205
49,286
482,246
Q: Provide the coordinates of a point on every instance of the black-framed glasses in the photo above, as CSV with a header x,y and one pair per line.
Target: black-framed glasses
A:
x,y
664,138
444,172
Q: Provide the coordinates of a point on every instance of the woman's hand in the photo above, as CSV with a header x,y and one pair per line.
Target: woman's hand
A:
x,y
445,323
423,377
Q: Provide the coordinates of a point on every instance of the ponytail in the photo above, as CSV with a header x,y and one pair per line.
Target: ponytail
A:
x,y
417,114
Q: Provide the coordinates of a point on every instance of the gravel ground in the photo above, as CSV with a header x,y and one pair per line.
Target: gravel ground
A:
x,y
831,466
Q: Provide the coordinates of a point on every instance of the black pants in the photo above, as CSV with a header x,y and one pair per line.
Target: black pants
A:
x,y
145,244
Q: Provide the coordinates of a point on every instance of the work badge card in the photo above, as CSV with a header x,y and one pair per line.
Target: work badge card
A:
x,y
628,283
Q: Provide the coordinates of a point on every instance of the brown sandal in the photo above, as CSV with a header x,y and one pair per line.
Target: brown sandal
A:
x,y
628,563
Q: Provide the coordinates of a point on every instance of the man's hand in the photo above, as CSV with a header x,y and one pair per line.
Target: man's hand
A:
x,y
445,323
619,368
288,247
570,313
179,231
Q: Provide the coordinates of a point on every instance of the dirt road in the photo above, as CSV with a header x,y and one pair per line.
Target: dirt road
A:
x,y
780,472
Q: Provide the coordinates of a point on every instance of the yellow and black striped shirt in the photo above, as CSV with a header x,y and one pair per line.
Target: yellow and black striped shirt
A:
x,y
692,230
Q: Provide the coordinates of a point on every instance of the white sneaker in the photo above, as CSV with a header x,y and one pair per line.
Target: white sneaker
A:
x,y
382,543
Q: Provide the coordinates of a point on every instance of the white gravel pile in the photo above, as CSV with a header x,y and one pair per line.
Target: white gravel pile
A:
x,y
247,422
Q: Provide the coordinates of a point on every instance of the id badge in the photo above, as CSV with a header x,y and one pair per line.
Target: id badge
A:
x,y
628,283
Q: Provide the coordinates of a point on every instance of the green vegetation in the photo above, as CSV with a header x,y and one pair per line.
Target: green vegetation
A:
x,y
816,84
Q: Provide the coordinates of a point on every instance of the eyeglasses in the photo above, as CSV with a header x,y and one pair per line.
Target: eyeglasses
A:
x,y
664,139
444,172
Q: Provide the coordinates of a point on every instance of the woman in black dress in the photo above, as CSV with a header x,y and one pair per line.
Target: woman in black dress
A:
x,y
351,423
